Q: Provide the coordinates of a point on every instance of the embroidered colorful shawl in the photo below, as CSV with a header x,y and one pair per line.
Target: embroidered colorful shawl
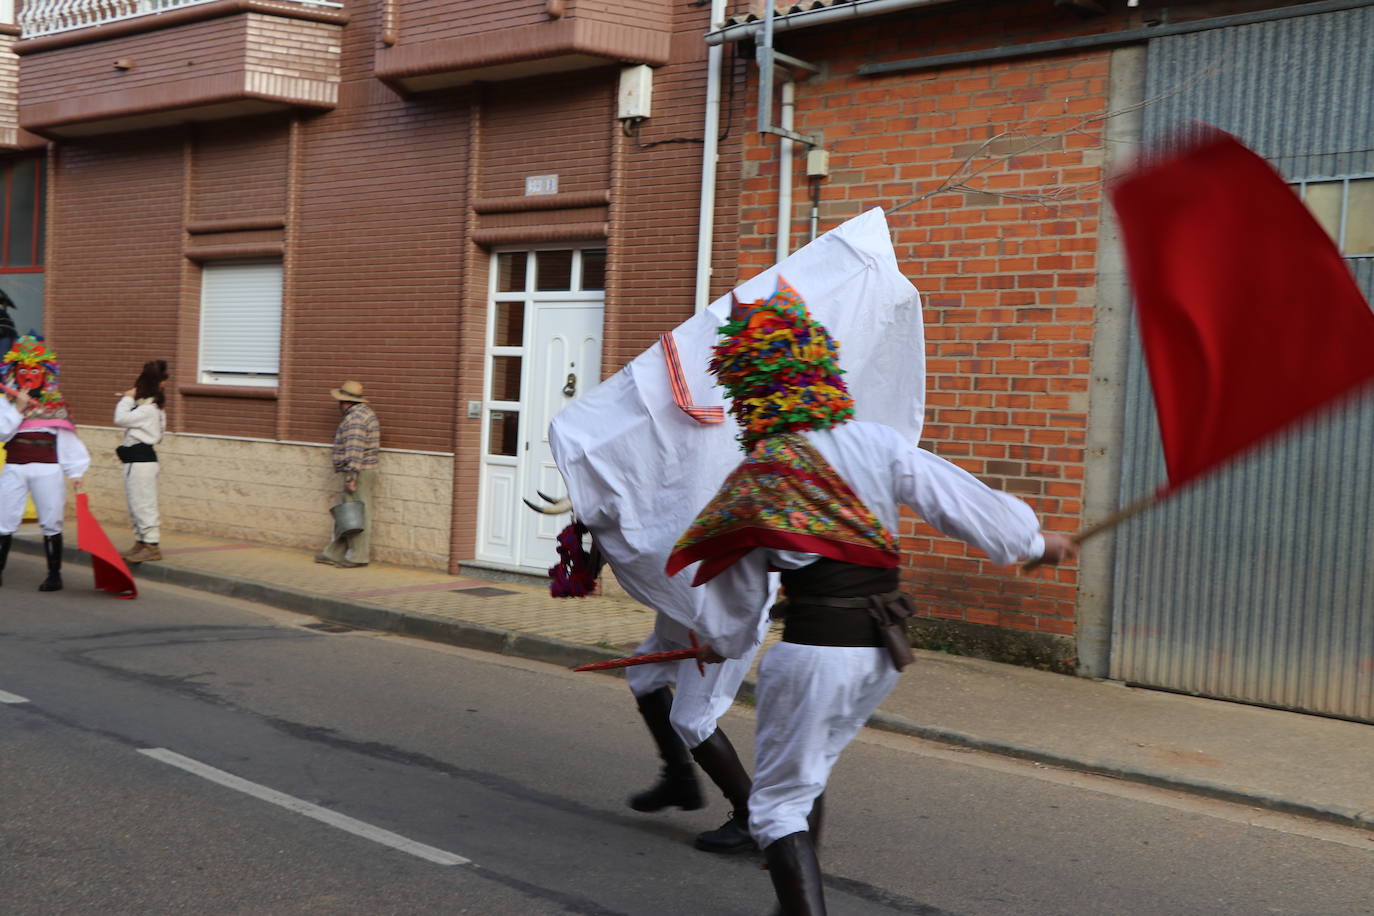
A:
x,y
787,497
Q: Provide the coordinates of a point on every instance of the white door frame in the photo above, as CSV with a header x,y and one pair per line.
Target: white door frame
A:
x,y
501,518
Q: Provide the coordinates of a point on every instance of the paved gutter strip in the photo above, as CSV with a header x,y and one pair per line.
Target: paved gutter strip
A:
x,y
362,615
1350,817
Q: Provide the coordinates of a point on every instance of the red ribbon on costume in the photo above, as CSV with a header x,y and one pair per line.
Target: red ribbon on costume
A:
x,y
682,395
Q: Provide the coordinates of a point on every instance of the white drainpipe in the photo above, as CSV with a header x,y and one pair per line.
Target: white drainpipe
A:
x,y
710,148
789,97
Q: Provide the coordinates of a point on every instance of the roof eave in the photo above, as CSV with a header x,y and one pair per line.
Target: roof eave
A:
x,y
854,9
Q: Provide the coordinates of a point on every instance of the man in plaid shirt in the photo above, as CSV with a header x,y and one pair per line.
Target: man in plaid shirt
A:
x,y
354,454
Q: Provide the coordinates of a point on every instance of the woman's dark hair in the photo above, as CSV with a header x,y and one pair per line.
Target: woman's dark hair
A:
x,y
149,384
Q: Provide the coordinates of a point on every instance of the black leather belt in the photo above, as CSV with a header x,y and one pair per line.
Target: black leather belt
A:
x,y
832,620
815,626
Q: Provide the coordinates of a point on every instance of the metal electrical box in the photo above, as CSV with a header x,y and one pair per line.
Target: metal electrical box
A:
x,y
636,92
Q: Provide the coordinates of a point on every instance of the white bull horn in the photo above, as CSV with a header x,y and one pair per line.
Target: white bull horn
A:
x,y
555,507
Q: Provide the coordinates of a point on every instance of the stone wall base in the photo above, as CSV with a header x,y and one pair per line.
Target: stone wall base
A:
x,y
1046,651
278,494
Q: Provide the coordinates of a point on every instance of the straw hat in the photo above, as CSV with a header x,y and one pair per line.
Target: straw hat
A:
x,y
349,391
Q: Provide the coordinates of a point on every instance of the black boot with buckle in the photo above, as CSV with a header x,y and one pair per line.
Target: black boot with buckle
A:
x,y
5,541
52,549
677,786
717,758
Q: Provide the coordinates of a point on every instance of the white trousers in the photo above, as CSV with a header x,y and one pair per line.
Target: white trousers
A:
x,y
140,490
812,701
48,487
698,701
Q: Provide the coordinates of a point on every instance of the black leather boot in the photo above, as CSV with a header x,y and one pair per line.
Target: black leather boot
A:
x,y
796,875
717,758
677,786
5,540
52,549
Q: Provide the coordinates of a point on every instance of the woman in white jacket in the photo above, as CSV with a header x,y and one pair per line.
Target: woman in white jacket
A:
x,y
141,415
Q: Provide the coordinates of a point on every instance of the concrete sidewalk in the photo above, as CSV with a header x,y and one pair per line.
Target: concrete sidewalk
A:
x,y
1283,761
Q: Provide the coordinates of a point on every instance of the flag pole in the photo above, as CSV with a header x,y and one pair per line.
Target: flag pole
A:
x,y
1106,524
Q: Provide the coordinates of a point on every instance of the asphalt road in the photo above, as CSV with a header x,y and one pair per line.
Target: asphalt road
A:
x,y
184,753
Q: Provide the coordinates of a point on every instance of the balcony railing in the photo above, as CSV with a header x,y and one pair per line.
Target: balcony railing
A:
x,y
48,17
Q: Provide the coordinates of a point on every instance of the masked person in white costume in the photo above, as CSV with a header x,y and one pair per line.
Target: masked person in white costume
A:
x,y
681,703
818,497
683,723
42,450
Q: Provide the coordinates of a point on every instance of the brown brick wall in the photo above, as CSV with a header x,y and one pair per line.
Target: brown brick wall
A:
x,y
232,59
199,49
646,13
658,198
9,92
1008,283
555,125
381,283
434,20
377,262
291,48
437,20
239,170
382,205
113,288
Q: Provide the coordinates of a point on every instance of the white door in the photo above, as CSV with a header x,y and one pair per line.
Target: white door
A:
x,y
567,363
544,348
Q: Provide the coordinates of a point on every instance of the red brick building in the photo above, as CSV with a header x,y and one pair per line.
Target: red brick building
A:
x,y
987,131
438,199
478,208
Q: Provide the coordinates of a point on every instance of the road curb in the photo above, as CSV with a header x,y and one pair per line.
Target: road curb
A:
x,y
354,613
1127,772
361,615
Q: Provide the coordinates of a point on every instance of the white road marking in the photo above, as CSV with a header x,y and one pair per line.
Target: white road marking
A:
x,y
291,803
12,698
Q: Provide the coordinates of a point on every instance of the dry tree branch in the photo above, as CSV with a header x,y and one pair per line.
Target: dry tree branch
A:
x,y
958,179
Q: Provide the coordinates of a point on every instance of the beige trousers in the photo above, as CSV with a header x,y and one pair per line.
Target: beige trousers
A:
x,y
140,491
355,548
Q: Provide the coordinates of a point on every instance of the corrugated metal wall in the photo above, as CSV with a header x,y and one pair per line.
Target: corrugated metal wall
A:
x,y
1258,583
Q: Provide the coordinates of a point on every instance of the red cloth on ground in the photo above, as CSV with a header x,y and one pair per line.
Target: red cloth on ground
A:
x,y
111,574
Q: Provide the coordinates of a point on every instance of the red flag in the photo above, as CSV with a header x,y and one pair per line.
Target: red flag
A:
x,y
111,574
1249,317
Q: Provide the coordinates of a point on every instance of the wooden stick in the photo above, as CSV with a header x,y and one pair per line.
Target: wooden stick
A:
x,y
1111,521
653,658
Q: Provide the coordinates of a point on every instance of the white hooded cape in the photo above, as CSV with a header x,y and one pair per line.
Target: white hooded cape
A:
x,y
639,469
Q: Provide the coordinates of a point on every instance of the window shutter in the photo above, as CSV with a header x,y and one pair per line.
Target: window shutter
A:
x,y
240,320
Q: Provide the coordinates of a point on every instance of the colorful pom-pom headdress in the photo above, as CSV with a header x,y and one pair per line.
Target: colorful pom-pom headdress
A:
x,y
780,367
30,352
